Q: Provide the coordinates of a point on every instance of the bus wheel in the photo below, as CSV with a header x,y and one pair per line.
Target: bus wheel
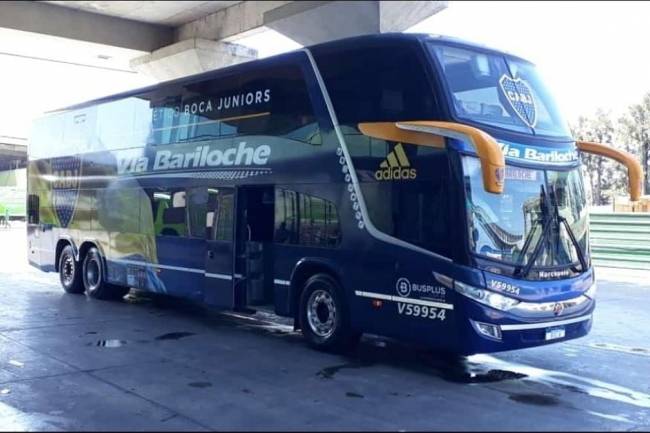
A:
x,y
70,272
323,316
93,278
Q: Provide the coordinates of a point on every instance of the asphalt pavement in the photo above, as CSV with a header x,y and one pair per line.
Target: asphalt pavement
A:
x,y
72,363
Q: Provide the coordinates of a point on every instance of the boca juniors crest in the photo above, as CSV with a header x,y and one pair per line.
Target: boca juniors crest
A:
x,y
65,187
520,98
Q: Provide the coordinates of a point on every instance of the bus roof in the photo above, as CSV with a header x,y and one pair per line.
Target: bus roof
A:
x,y
339,44
368,40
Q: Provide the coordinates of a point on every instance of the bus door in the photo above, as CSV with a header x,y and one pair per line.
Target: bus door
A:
x,y
219,259
254,243
33,229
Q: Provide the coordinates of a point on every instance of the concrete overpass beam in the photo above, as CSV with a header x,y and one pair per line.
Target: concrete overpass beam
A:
x,y
306,22
43,18
397,16
233,22
191,56
311,23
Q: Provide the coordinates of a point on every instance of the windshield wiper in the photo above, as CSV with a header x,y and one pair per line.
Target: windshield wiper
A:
x,y
548,219
545,219
572,237
538,248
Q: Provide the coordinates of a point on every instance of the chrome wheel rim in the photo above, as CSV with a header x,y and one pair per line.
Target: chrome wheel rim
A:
x,y
67,270
321,313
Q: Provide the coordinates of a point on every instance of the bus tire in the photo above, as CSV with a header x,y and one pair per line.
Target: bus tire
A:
x,y
70,272
93,278
323,316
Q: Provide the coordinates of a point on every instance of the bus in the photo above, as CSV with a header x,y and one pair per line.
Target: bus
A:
x,y
412,186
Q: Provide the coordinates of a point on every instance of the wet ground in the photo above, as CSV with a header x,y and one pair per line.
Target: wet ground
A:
x,y
71,363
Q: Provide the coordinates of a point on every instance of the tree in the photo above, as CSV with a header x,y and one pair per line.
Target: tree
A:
x,y
634,128
601,172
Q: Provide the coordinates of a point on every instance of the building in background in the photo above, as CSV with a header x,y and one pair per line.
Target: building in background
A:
x,y
13,178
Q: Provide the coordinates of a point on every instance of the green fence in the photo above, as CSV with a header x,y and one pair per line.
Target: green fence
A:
x,y
620,240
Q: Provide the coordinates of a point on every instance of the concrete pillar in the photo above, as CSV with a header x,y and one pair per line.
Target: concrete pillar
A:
x,y
191,56
311,23
208,43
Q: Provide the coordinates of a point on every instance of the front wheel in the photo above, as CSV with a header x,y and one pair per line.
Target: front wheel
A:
x,y
323,315
93,278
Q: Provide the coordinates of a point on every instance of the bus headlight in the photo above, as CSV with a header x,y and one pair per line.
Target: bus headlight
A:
x,y
591,291
486,297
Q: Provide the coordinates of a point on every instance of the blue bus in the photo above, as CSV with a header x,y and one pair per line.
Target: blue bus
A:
x,y
411,186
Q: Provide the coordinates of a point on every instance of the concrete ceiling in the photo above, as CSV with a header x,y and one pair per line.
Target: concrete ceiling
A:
x,y
51,48
169,13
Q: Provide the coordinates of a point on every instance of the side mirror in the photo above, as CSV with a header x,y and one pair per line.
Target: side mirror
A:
x,y
634,169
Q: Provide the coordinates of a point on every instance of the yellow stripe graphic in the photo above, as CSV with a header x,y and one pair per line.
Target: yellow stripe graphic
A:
x,y
401,156
392,160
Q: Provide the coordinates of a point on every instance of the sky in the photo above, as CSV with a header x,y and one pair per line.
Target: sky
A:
x,y
30,87
591,55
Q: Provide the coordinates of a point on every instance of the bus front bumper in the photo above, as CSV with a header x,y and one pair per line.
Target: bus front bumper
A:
x,y
489,330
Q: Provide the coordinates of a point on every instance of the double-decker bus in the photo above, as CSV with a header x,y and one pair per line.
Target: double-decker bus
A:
x,y
411,186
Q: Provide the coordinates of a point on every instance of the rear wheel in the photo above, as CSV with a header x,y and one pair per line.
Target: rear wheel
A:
x,y
93,278
324,317
70,272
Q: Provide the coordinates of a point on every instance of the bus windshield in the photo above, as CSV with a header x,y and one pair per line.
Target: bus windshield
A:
x,y
510,227
499,91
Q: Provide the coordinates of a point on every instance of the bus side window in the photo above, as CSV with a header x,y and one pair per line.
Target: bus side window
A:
x,y
219,215
271,100
197,202
211,213
396,89
286,213
319,222
33,209
223,221
303,219
169,210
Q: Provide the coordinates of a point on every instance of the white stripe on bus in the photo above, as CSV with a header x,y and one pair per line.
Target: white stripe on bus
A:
x,y
219,276
404,300
177,268
544,324
156,265
180,268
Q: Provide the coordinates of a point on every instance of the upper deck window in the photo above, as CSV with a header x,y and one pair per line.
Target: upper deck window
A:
x,y
375,84
270,98
500,91
263,101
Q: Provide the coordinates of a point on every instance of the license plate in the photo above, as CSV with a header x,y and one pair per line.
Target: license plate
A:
x,y
555,333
